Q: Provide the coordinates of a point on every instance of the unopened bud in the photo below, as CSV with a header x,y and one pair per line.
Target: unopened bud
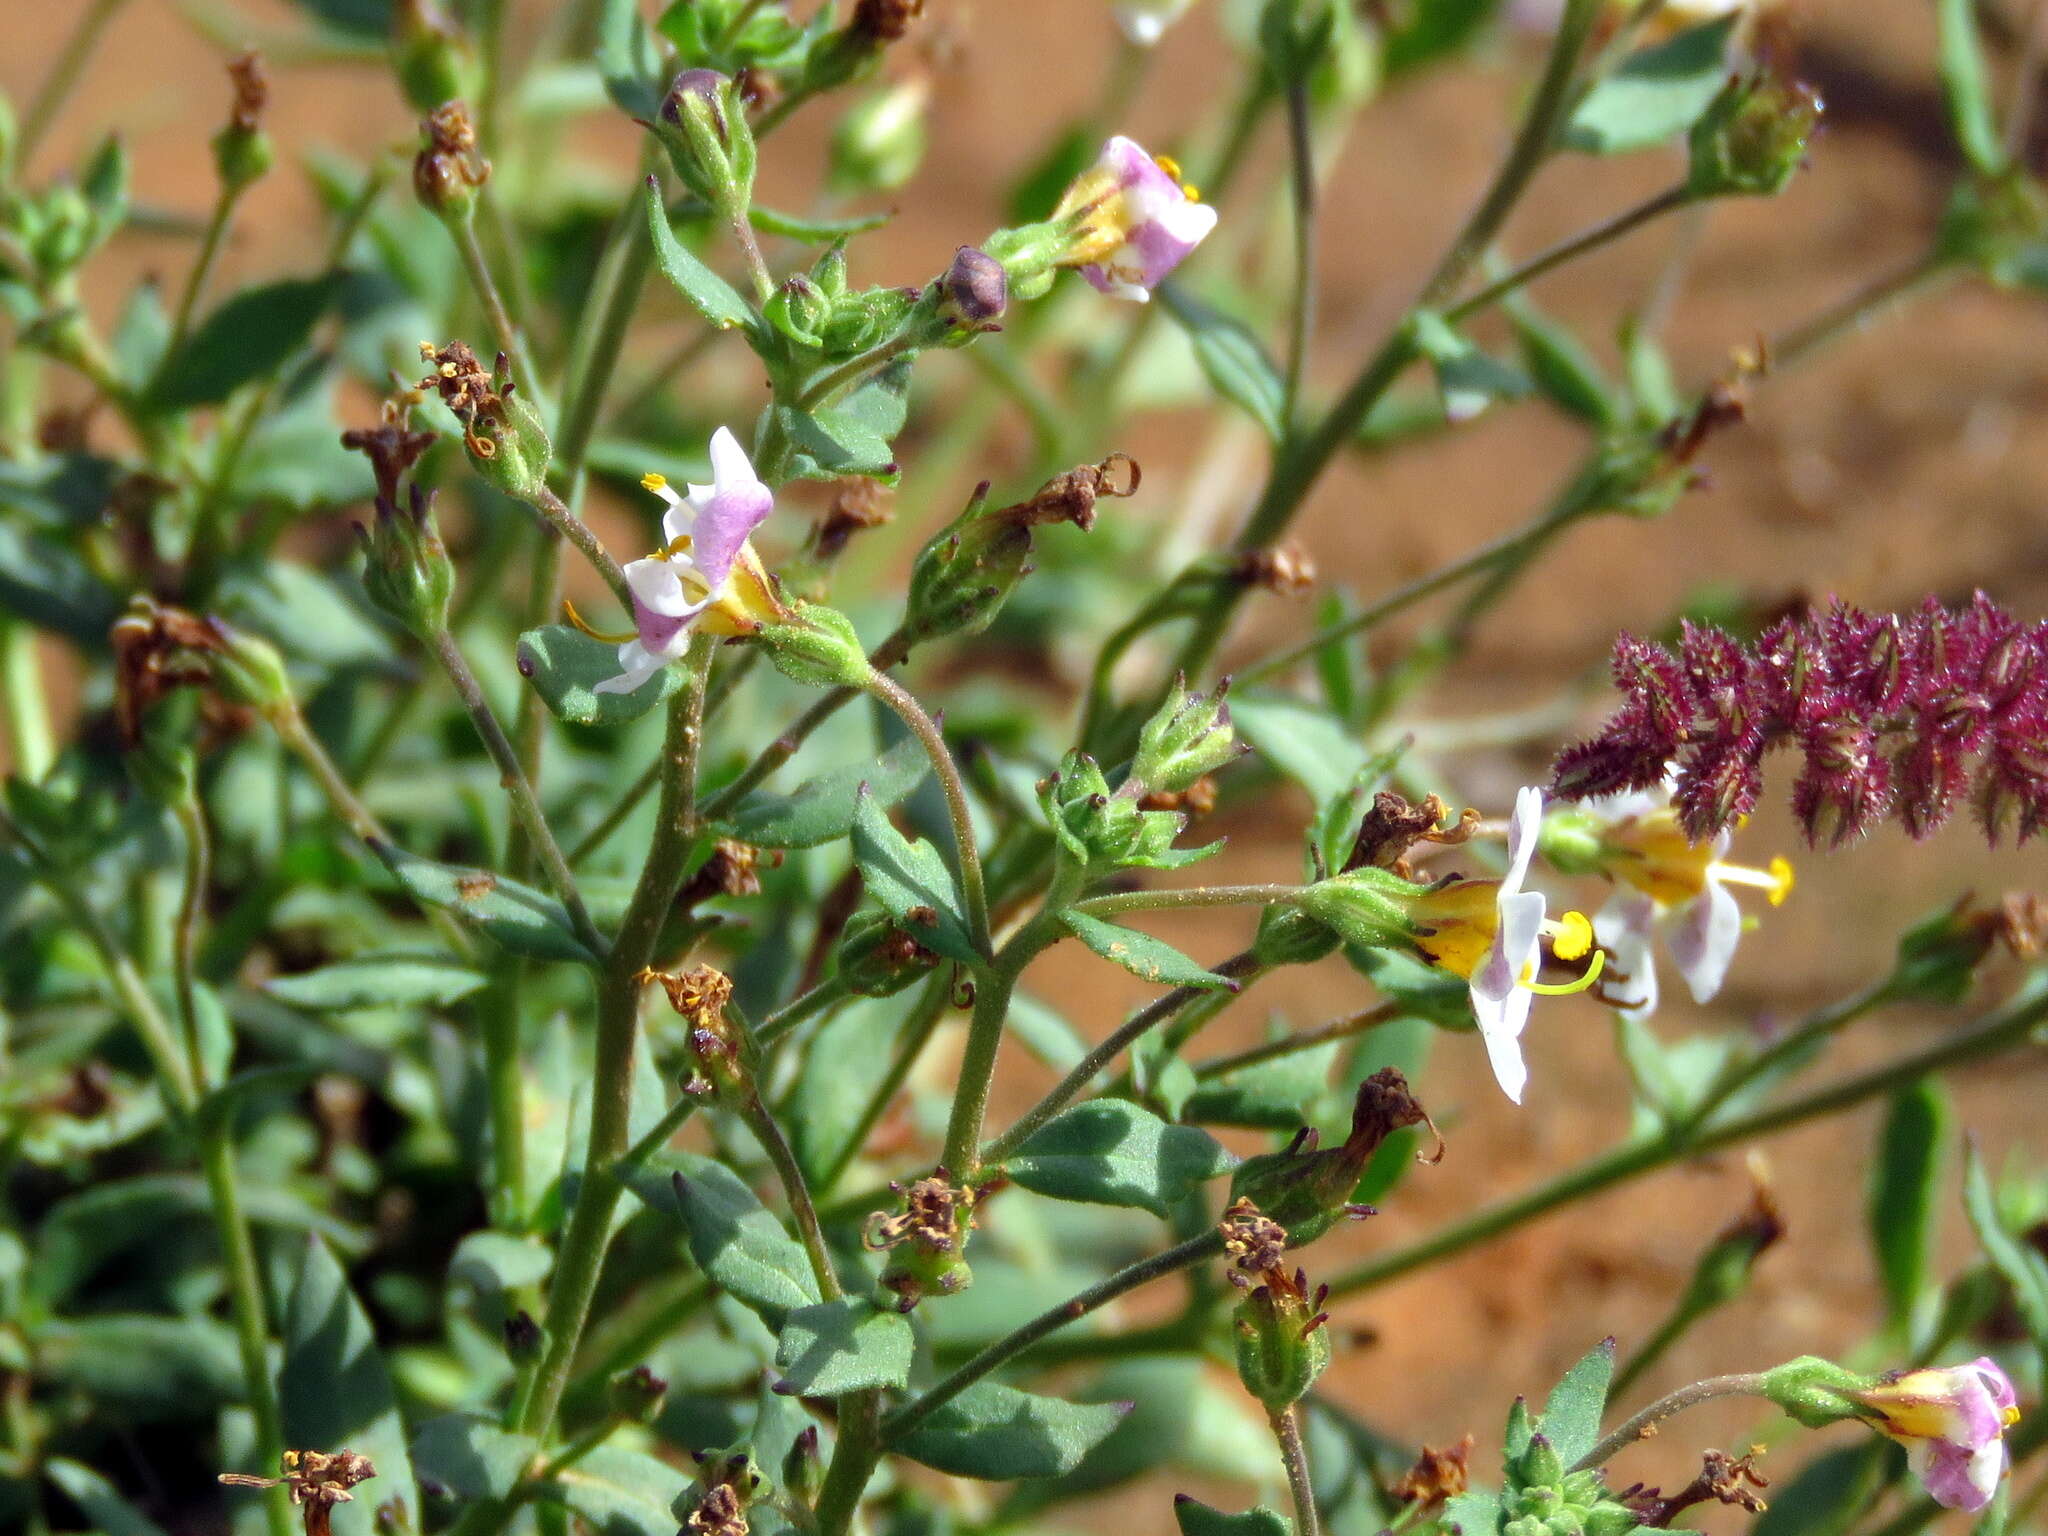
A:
x,y
703,126
506,441
636,1396
1540,1465
803,1469
974,292
799,309
1190,736
1752,137
876,958
816,646
1815,1392
241,150
1282,1343
925,1241
430,56
878,144
249,670
406,570
449,169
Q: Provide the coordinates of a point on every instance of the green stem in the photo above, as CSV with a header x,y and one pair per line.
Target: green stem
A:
x,y
185,939
782,1157
202,266
1667,201
973,893
1300,1040
1294,1456
505,1084
853,1462
1674,1327
21,694
1188,896
577,532
499,319
1644,1423
1859,310
807,1005
638,1337
1195,1250
63,77
518,789
1301,158
618,1031
829,383
1998,1032
917,1034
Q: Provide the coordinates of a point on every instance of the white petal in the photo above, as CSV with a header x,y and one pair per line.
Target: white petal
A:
x,y
658,587
680,520
1523,827
1501,1022
1623,928
730,467
1703,939
1187,222
637,667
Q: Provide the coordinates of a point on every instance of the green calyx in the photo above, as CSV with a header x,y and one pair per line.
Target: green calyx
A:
x,y
818,647
1814,1392
1367,907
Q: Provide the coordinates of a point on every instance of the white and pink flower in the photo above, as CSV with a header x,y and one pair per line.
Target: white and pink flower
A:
x,y
1135,221
1952,1422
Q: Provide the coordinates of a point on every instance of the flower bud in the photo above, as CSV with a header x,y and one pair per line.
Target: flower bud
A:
x,y
1540,1466
1282,1345
503,435
816,646
803,1469
1367,906
703,126
1994,225
973,292
1815,1392
449,169
799,309
878,144
1752,137
1190,736
636,1396
406,570
876,958
248,670
430,56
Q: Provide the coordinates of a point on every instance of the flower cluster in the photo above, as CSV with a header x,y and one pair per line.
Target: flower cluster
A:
x,y
1895,715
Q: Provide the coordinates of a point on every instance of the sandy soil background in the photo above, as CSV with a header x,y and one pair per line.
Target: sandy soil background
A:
x,y
1912,460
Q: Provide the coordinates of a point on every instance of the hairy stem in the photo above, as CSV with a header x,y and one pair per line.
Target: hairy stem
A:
x,y
1639,1425
973,893
1294,1456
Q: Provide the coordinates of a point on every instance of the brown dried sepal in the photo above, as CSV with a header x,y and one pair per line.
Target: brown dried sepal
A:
x,y
699,994
252,91
1287,571
476,398
1198,799
884,21
392,447
1723,1479
732,870
158,648
1438,1475
1393,826
1070,495
718,1513
936,1214
857,505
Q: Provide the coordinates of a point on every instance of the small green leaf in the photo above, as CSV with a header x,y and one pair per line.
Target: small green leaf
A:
x,y
565,665
1232,358
843,1346
1111,1152
1904,1180
1276,1095
738,1243
627,60
618,1492
470,1456
1301,741
141,1369
821,809
142,334
223,1105
999,1434
395,979
1561,368
1198,1519
911,881
1428,33
2023,1269
49,585
1476,1512
851,435
1571,1418
516,916
334,1389
492,1263
99,1500
708,293
1966,87
813,231
1145,957
1655,95
246,338
1466,377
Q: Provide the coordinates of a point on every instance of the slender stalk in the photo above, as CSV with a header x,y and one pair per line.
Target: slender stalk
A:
x,y
496,316
797,1009
29,738
1188,896
1195,1250
790,1174
640,1336
1610,230
1998,1032
618,1030
973,894
1858,311
993,987
1239,967
63,77
518,790
1644,1423
185,938
917,1034
829,383
577,532
1301,158
202,266
1298,1041
1294,1456
1674,1327
505,1088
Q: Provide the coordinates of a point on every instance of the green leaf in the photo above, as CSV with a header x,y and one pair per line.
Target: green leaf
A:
x,y
998,1433
1904,1180
1111,1152
246,338
1571,1418
1656,94
911,881
334,1389
393,979
470,1456
2023,1269
1466,377
1476,1512
843,1346
1232,358
708,293
516,916
49,585
852,435
223,1106
1198,1519
821,809
141,335
813,231
1302,742
99,1500
627,60
496,1262
142,1369
1966,87
1434,31
1276,1095
738,1243
617,1492
1145,957
1561,368
565,665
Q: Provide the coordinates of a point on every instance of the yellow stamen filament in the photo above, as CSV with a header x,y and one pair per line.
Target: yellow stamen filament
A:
x,y
576,621
1566,988
1777,881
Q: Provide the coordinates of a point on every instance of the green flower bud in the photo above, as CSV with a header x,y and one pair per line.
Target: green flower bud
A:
x,y
1367,906
1282,1345
877,145
636,1396
1815,1392
506,441
817,646
1570,841
1540,1466
430,56
406,569
241,150
249,670
876,958
449,169
1610,1518
1289,936
799,309
703,126
803,1469
1190,736
973,293
1752,137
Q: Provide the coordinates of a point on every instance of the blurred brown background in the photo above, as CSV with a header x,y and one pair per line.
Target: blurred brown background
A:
x,y
1914,459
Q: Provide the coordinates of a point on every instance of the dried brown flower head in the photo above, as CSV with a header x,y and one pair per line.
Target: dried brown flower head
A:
x,y
1255,1244
252,90
857,505
1437,1476
318,1481
1287,571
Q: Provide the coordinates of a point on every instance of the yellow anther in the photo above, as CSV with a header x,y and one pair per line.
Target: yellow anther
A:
x,y
1781,880
1566,988
653,482
2010,1416
1191,192
1169,165
1574,936
427,351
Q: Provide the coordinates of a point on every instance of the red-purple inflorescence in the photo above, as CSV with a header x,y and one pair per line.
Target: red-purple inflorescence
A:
x,y
1899,715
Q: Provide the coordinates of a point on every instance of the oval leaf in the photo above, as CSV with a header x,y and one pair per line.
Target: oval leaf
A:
x,y
1111,1152
911,881
843,1346
738,1243
1143,956
246,338
821,809
565,666
998,1433
709,294
516,916
394,980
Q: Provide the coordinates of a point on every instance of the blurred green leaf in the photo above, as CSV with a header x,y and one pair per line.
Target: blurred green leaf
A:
x,y
1966,87
821,809
708,293
1432,30
142,1369
49,585
628,60
1233,358
99,1500
1276,1095
1466,377
1904,1182
470,1456
1826,1496
843,1346
999,1434
1561,368
1656,94
246,338
394,979
621,1492
565,665
1111,1152
1198,1519
2024,1270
